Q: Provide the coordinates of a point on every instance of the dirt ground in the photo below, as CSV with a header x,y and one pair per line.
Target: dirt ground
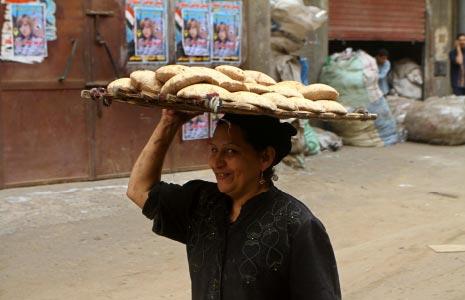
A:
x,y
381,207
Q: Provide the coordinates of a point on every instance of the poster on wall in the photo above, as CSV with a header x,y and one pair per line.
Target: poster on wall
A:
x,y
226,19
27,27
146,32
29,30
193,37
197,128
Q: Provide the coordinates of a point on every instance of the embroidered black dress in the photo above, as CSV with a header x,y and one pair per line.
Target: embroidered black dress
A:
x,y
276,249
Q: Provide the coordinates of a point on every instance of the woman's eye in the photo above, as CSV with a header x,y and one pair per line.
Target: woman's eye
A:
x,y
231,151
213,150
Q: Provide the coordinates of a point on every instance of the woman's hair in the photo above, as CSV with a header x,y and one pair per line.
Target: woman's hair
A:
x,y
222,27
193,23
262,132
25,20
148,23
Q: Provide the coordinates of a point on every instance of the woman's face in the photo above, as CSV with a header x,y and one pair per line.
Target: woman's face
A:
x,y
193,32
25,29
235,163
147,32
222,35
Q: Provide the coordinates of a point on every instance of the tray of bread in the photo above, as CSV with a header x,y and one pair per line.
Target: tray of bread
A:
x,y
226,89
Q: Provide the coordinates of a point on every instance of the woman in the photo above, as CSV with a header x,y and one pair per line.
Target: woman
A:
x,y
245,238
150,41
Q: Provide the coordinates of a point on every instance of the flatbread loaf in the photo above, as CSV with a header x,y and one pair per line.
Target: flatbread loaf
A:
x,y
333,106
180,81
281,101
202,90
220,79
260,77
257,88
232,72
254,99
291,84
122,84
145,81
319,91
285,91
308,105
165,73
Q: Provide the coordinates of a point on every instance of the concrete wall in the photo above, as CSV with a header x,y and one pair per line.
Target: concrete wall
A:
x,y
440,31
257,17
317,50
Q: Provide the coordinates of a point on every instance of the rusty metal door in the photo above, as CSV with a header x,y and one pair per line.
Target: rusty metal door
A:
x,y
43,129
49,134
377,20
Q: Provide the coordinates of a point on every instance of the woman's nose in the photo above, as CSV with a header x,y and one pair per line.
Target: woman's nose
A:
x,y
217,160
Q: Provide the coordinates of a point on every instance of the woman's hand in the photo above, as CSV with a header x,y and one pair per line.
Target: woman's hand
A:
x,y
177,117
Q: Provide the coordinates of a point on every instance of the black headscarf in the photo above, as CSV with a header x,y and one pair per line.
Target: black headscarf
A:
x,y
264,131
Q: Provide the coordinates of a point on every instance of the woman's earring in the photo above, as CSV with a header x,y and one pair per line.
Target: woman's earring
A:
x,y
262,180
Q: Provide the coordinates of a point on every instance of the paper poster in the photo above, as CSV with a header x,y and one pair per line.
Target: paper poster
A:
x,y
214,122
146,32
193,39
27,27
227,29
197,128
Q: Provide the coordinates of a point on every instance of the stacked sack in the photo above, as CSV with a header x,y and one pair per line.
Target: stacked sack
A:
x,y
355,75
233,85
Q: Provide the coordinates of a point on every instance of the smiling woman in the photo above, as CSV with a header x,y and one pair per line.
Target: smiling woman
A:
x,y
245,238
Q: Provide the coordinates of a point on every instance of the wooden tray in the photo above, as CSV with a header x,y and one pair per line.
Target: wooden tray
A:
x,y
213,104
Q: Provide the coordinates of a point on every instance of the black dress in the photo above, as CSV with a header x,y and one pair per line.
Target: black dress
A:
x,y
276,249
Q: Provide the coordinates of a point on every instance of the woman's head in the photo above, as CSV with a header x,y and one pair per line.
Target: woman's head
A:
x,y
25,25
222,32
193,27
244,150
148,28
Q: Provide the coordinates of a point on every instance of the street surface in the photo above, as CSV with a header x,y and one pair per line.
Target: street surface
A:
x,y
381,207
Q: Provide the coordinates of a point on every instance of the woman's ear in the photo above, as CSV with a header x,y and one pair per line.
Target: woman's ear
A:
x,y
267,157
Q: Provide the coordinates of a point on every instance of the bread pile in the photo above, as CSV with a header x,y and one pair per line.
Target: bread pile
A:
x,y
244,88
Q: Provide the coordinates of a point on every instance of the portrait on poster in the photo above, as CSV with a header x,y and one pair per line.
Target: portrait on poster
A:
x,y
196,129
29,30
150,33
226,41
193,36
195,33
226,20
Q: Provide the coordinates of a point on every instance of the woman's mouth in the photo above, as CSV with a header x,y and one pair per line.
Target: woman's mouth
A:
x,y
222,176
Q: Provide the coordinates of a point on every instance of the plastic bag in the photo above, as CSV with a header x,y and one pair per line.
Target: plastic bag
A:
x,y
407,79
296,18
328,140
400,106
438,121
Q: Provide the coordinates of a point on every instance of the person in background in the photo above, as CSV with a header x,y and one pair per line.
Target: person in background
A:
x,y
457,69
384,66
